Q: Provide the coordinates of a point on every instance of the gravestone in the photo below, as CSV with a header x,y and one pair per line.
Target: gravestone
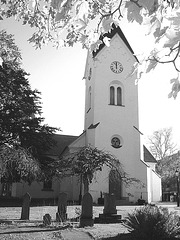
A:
x,y
25,207
47,219
61,214
109,212
86,218
109,204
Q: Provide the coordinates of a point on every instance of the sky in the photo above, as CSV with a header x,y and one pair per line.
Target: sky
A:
x,y
58,75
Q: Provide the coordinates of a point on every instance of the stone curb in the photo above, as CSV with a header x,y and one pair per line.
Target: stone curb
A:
x,y
26,229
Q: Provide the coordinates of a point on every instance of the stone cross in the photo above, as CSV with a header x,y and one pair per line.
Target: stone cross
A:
x,y
25,207
47,219
61,214
109,204
86,218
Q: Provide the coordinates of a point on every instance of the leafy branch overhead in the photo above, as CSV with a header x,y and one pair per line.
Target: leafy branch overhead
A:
x,y
65,22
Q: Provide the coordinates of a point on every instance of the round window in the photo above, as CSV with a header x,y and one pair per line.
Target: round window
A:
x,y
115,142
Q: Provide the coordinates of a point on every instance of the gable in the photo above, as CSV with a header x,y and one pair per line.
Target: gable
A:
x,y
148,157
115,30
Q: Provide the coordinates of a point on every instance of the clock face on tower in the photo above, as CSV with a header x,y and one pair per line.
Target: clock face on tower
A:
x,y
116,67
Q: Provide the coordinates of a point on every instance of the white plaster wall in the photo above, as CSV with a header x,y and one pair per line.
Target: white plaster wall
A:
x,y
100,184
116,119
154,186
71,186
89,112
157,189
152,165
35,190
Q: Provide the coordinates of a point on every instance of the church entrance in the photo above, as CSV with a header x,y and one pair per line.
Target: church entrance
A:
x,y
115,184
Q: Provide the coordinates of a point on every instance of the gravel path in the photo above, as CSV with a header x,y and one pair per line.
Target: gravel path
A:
x,y
31,236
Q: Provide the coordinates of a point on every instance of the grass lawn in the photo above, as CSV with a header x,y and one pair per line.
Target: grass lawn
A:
x,y
98,231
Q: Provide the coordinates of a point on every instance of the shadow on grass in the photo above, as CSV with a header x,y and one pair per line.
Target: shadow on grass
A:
x,y
129,236
122,236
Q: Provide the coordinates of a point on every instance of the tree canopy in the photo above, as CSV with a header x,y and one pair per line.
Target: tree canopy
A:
x,y
65,22
87,161
23,136
9,52
167,168
161,143
163,149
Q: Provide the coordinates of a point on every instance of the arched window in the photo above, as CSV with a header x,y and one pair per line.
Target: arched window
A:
x,y
119,96
112,95
116,93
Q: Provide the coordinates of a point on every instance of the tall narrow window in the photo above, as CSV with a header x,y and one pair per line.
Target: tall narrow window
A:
x,y
119,96
89,98
112,96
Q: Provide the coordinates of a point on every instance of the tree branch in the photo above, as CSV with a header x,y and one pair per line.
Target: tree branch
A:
x,y
136,2
172,60
110,14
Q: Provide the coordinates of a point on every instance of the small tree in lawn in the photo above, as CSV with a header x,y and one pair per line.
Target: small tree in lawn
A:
x,y
87,161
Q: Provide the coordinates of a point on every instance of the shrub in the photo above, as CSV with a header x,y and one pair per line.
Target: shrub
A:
x,y
153,223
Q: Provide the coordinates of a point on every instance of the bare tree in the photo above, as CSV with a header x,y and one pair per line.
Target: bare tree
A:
x,y
161,144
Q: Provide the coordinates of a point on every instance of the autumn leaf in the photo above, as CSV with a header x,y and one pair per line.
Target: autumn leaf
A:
x,y
151,6
107,24
151,65
173,41
160,33
81,23
155,28
95,46
175,20
133,12
83,39
175,87
56,4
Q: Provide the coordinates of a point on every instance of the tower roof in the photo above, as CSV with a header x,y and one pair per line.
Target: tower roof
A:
x,y
115,30
62,141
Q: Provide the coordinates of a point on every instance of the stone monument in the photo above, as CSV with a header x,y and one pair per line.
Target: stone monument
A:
x,y
86,218
109,212
61,214
47,219
25,207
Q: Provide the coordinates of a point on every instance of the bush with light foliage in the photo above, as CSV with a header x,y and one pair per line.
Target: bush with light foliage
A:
x,y
153,223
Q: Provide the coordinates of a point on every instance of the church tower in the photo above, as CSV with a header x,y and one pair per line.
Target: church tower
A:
x,y
111,114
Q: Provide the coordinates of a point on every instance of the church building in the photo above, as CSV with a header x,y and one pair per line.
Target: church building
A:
x,y
111,121
112,124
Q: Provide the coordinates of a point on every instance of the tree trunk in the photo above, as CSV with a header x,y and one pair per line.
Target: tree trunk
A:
x,y
80,190
86,185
